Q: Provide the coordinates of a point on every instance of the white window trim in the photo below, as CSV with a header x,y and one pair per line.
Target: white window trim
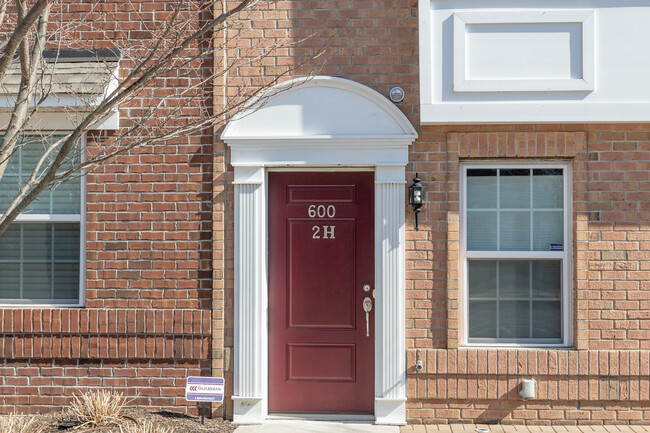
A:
x,y
566,255
61,218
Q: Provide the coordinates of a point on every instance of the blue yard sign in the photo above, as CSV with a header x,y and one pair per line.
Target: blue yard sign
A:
x,y
204,389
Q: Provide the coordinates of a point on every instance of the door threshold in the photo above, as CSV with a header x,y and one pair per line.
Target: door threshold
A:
x,y
347,417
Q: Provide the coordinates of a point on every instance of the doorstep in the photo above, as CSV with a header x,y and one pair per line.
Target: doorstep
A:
x,y
309,426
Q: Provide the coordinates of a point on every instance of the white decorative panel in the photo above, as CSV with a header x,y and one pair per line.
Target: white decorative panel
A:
x,y
533,61
535,51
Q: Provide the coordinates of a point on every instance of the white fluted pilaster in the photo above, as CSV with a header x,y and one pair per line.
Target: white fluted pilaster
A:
x,y
251,303
390,252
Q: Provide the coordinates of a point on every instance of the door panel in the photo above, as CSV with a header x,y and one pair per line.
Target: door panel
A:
x,y
339,366
321,254
327,302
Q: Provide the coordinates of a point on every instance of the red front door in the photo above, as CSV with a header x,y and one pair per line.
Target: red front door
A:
x,y
321,255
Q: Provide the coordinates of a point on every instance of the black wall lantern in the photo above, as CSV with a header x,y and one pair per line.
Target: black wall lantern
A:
x,y
416,198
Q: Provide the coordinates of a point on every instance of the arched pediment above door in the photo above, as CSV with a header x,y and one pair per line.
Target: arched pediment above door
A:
x,y
306,118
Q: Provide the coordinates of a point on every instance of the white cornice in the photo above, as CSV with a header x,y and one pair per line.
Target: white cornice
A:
x,y
320,142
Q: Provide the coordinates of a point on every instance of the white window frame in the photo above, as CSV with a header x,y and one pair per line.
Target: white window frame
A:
x,y
566,255
60,218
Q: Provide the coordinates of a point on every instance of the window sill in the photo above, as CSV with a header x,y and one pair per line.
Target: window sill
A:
x,y
25,306
515,346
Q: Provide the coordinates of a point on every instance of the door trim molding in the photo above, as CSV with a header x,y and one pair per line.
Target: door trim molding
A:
x,y
251,158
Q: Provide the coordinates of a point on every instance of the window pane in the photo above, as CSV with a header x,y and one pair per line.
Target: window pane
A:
x,y
66,197
515,231
32,150
37,280
514,279
482,279
481,231
9,280
10,243
548,189
34,277
8,189
547,276
41,204
481,189
547,319
548,229
37,241
482,319
515,298
66,281
514,319
66,242
514,188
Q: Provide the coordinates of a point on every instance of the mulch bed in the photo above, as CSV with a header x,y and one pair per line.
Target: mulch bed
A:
x,y
57,422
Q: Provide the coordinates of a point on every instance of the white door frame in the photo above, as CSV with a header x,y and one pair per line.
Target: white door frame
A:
x,y
364,131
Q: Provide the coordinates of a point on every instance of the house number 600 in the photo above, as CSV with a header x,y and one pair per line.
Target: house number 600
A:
x,y
321,211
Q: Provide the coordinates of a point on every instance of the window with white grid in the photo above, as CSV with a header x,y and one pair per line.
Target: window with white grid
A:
x,y
516,245
40,253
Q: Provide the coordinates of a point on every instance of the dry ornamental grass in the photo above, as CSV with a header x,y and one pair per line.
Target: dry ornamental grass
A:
x,y
145,427
98,408
18,424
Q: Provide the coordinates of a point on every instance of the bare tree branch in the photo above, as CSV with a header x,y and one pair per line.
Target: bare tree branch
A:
x,y
3,10
183,41
29,71
20,33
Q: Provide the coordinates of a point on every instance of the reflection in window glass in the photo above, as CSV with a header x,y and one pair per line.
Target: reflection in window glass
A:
x,y
482,189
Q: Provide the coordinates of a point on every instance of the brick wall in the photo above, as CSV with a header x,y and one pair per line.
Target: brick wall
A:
x,y
42,385
607,379
146,324
482,385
